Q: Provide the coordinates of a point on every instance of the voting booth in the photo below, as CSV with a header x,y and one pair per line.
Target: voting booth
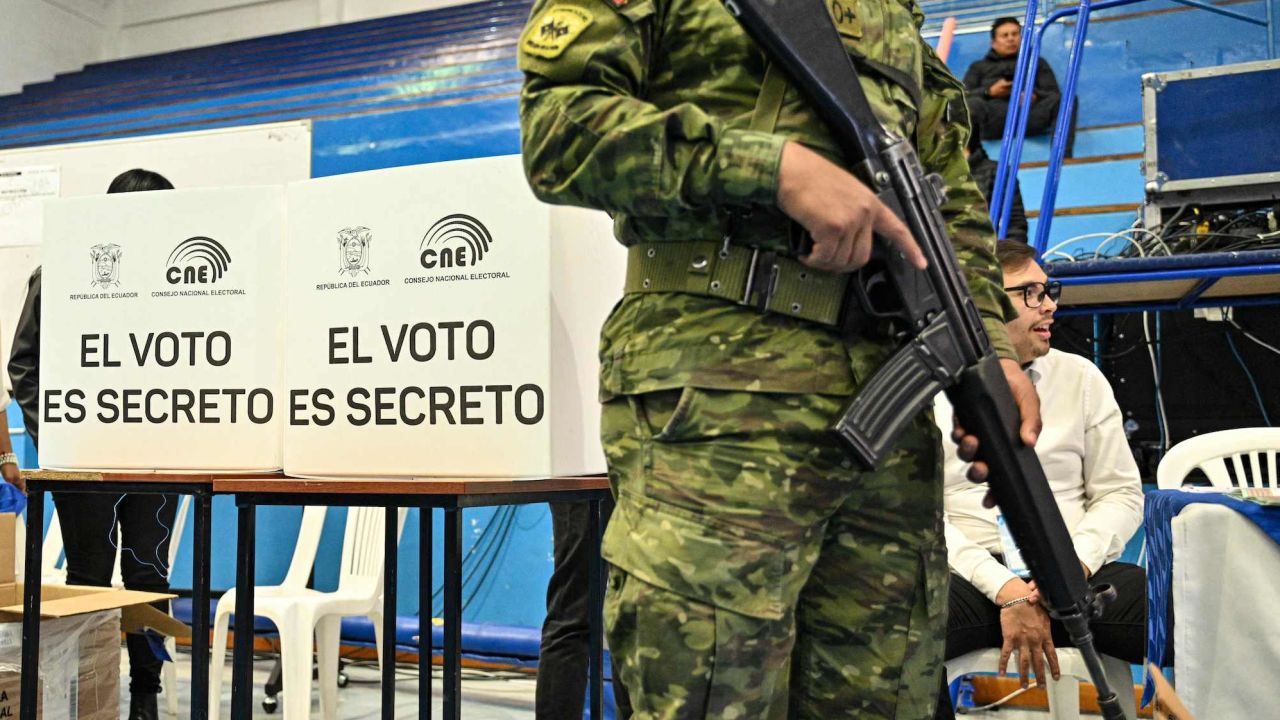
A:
x,y
161,331
442,322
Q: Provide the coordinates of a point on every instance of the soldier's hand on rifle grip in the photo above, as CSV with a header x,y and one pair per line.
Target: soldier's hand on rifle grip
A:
x,y
839,212
1024,394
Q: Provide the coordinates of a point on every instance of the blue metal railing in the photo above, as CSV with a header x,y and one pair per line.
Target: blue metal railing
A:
x,y
1015,128
1273,27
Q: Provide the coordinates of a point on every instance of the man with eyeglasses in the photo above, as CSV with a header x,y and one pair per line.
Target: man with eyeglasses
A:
x,y
1094,478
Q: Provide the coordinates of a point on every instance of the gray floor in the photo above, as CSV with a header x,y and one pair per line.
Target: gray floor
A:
x,y
486,696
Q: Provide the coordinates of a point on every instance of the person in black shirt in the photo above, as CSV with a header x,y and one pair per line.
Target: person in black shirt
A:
x,y
94,525
989,86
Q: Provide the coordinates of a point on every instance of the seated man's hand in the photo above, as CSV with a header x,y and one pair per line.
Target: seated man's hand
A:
x,y
840,213
1001,89
1025,628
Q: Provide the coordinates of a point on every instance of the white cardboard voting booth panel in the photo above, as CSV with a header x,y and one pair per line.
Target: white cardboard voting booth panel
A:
x,y
161,329
438,327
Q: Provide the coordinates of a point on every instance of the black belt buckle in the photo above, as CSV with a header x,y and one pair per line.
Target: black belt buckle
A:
x,y
762,280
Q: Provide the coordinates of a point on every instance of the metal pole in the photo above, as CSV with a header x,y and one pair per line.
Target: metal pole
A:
x,y
453,613
390,560
1006,174
595,595
30,680
1273,27
1225,12
425,624
242,653
201,563
1062,130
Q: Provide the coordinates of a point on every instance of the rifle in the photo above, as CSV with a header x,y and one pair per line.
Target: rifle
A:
x,y
946,347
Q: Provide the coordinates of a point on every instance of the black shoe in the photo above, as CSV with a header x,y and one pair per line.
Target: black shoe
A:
x,y
142,706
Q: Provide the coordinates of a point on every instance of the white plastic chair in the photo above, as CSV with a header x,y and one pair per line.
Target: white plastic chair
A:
x,y
1064,694
52,571
1248,453
53,565
170,672
299,612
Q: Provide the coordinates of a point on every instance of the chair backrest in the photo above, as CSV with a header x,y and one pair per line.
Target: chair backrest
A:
x,y
362,548
304,552
1229,458
179,524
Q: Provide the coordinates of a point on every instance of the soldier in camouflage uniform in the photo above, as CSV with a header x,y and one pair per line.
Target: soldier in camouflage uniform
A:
x,y
755,571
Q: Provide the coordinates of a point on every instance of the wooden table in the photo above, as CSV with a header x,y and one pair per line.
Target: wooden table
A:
x,y
199,486
453,496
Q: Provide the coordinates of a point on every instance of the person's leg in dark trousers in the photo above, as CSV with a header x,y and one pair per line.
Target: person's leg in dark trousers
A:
x,y
973,621
89,536
1041,117
988,115
146,527
91,533
564,657
1071,132
1122,630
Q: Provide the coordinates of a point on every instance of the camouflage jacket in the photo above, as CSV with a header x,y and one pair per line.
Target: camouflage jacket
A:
x,y
644,108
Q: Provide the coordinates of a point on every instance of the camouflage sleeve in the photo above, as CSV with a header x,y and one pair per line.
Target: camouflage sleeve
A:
x,y
588,138
941,141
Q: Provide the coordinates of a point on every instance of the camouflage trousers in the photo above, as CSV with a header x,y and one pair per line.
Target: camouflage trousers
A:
x,y
756,573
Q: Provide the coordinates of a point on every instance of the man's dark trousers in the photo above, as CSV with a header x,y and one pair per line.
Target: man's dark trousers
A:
x,y
564,658
973,622
93,525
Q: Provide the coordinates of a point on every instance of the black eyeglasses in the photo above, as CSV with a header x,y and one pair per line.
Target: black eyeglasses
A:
x,y
1034,293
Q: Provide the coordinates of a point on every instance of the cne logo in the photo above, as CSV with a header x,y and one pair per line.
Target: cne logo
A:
x,y
104,263
455,241
353,250
197,261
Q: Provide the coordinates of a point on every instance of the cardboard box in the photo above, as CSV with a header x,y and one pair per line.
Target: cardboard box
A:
x,y
79,641
79,668
8,547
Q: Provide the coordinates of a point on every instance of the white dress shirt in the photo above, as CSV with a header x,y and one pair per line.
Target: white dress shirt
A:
x,y
1086,460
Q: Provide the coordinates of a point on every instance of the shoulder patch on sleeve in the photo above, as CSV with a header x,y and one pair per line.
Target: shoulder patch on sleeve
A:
x,y
846,19
554,30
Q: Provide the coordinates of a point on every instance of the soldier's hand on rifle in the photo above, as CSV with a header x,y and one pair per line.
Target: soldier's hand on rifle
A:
x,y
1024,394
1025,627
840,213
